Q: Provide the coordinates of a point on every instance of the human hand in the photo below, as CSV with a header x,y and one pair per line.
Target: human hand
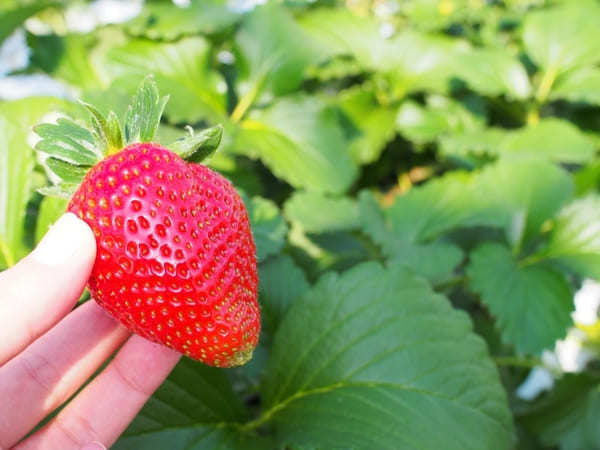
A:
x,y
48,350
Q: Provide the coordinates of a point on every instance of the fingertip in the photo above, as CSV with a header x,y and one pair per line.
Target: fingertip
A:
x,y
69,238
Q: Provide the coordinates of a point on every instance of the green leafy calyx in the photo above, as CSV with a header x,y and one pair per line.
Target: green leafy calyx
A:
x,y
68,149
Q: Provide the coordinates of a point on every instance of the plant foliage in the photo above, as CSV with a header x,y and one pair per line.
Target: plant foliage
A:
x,y
422,180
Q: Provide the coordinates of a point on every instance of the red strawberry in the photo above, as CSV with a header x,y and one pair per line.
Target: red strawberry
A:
x,y
176,261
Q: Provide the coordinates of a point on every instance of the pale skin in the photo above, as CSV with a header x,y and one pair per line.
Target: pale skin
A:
x,y
48,350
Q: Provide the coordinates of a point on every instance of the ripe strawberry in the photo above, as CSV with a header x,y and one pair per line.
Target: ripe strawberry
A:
x,y
176,261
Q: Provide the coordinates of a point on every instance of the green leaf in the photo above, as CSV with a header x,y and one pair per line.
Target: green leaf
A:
x,y
301,141
568,417
107,132
406,367
343,33
67,141
550,139
144,113
268,227
270,59
317,213
579,85
51,209
281,283
563,37
414,56
195,407
492,72
17,163
11,19
435,15
441,116
198,147
416,60
531,303
575,239
114,135
368,125
62,191
162,21
485,141
182,69
67,58
399,240
15,171
501,195
65,171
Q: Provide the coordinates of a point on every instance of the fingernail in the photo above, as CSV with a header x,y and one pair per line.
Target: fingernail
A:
x,y
64,239
93,446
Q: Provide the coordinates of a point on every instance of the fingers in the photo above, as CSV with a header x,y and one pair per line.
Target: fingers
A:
x,y
102,411
50,370
43,287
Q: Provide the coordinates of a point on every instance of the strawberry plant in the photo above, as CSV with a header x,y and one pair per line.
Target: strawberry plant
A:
x,y
404,200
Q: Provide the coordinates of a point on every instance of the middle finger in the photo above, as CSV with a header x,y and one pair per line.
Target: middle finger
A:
x,y
52,368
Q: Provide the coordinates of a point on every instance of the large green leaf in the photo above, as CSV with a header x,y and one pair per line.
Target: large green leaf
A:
x,y
389,364
575,240
417,60
301,141
11,19
343,33
368,124
579,85
531,303
17,162
550,139
194,408
182,69
491,72
399,240
439,117
160,20
516,197
563,37
281,282
414,58
317,213
501,195
269,57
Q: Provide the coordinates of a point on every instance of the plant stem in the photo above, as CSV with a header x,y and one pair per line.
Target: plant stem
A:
x,y
7,254
546,84
247,100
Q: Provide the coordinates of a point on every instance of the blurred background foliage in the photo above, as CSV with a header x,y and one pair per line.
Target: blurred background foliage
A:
x,y
454,142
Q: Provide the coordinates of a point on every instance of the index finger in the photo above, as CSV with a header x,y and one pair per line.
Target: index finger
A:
x,y
43,287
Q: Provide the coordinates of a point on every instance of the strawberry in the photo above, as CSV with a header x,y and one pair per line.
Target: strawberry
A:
x,y
176,261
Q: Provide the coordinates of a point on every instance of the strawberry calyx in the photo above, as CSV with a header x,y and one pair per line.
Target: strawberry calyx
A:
x,y
68,150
